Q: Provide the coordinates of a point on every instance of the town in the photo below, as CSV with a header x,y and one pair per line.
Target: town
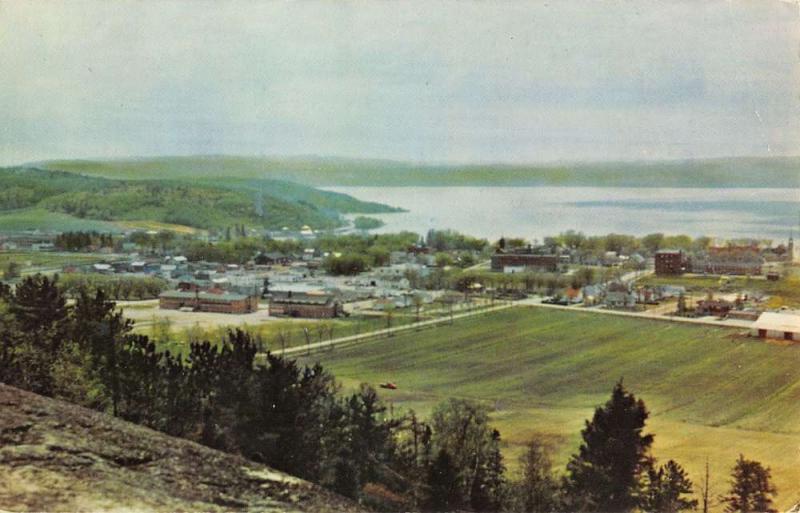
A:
x,y
306,275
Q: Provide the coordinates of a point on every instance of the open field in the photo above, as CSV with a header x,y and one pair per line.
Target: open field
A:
x,y
713,392
212,326
40,219
30,261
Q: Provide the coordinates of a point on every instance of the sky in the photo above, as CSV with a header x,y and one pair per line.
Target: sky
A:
x,y
517,82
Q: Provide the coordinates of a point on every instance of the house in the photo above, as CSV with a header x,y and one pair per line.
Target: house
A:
x,y
619,295
213,300
717,307
102,268
671,262
785,326
312,305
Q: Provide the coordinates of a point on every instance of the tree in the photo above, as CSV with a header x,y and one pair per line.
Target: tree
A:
x,y
461,427
12,270
605,474
417,300
751,489
488,485
40,312
537,491
666,489
443,485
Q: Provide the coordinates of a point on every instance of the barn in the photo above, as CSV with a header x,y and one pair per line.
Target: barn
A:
x,y
776,325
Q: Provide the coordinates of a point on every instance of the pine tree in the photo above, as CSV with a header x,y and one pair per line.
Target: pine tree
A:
x,y
537,492
488,485
443,484
605,474
751,489
666,489
41,316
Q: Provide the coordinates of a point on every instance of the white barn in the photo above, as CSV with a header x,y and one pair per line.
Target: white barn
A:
x,y
784,326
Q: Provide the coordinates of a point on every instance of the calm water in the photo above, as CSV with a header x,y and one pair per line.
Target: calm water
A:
x,y
534,212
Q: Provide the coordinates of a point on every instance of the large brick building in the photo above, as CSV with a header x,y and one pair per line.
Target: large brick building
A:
x,y
671,262
741,260
304,304
523,259
208,301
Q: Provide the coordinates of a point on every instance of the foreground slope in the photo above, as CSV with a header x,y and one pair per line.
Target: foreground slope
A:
x,y
713,392
55,456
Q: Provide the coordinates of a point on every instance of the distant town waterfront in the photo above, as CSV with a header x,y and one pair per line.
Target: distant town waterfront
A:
x,y
534,212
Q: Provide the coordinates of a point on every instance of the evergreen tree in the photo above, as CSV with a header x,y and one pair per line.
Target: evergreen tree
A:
x,y
605,474
751,488
41,317
666,490
537,492
488,486
444,493
100,329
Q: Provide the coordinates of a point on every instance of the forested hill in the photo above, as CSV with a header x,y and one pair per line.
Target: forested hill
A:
x,y
779,172
201,203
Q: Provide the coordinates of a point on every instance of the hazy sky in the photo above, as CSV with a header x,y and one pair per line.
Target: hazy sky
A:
x,y
425,81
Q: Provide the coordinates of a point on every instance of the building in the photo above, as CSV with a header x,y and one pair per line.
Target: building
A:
x,y
312,305
671,262
717,307
784,326
216,301
619,295
523,259
736,260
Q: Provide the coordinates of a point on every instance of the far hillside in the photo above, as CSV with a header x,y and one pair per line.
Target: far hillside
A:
x,y
777,172
34,198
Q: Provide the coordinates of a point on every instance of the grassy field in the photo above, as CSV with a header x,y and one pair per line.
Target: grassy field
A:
x,y
713,392
40,219
184,326
30,261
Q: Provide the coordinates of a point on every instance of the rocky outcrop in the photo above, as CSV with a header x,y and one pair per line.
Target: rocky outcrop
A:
x,y
55,456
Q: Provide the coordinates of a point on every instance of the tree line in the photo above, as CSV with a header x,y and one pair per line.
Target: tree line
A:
x,y
81,241
296,419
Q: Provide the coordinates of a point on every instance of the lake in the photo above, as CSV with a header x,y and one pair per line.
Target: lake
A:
x,y
534,212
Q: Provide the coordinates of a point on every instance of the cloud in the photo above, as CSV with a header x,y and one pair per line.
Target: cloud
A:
x,y
512,81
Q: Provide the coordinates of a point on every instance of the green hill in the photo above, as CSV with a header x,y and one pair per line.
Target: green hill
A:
x,y
46,199
713,391
777,172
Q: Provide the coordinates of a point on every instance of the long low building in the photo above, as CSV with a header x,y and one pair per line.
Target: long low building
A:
x,y
523,260
310,305
208,301
785,326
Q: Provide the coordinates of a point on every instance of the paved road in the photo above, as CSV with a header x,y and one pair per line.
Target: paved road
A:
x,y
363,337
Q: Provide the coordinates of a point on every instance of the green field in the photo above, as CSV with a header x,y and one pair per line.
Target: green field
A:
x,y
35,218
30,261
713,392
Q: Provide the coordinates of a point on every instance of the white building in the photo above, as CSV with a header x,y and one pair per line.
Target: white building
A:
x,y
785,326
